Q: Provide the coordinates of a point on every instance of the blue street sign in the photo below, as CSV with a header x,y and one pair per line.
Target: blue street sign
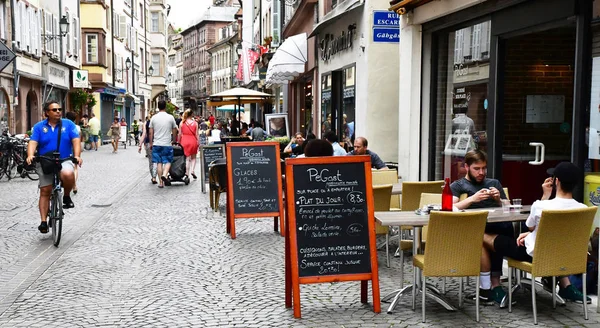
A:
x,y
384,18
386,34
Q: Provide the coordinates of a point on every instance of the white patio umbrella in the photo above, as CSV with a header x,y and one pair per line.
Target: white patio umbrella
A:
x,y
237,96
289,60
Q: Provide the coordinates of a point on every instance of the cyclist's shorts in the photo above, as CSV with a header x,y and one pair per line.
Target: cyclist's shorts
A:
x,y
93,138
46,179
162,154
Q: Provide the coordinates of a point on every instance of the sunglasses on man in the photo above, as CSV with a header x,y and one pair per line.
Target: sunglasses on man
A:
x,y
56,109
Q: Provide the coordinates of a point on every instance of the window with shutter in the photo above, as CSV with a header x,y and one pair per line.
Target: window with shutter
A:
x,y
2,21
17,13
76,31
156,64
109,61
122,27
38,33
92,48
67,38
118,68
155,22
115,24
128,36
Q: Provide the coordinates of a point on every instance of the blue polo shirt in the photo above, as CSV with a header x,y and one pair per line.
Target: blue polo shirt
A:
x,y
47,137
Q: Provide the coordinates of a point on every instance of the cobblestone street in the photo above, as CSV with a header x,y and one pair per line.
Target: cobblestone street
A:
x,y
134,255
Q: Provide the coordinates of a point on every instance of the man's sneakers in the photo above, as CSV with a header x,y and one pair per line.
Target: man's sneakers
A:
x,y
43,227
571,293
67,202
497,295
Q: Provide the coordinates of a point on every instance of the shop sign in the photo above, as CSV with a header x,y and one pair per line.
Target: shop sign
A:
x,y
80,78
57,75
331,45
6,56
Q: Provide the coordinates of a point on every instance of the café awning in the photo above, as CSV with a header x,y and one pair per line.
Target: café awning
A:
x,y
289,60
336,13
401,7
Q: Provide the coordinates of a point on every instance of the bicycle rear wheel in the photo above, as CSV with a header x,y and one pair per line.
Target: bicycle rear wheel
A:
x,y
56,216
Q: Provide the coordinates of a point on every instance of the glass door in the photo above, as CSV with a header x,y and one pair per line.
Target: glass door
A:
x,y
535,106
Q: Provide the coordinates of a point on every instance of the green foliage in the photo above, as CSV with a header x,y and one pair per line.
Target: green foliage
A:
x,y
283,141
171,109
80,99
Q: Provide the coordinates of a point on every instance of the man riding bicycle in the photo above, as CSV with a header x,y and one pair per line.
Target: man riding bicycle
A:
x,y
44,139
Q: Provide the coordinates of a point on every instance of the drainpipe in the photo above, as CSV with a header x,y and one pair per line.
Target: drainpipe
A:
x,y
15,72
112,40
60,14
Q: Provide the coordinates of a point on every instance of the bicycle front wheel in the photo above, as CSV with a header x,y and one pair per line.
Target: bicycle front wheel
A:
x,y
32,174
56,216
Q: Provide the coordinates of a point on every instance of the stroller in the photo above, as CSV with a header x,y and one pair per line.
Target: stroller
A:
x,y
177,170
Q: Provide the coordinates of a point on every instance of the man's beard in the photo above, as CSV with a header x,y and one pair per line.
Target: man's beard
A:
x,y
473,178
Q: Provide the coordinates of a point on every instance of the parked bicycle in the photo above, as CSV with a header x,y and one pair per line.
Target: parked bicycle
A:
x,y
13,152
56,214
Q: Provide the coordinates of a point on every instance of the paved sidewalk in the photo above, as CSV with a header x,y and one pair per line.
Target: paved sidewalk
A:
x,y
161,257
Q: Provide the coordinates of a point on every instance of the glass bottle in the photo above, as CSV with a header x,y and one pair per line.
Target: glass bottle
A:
x,y
447,197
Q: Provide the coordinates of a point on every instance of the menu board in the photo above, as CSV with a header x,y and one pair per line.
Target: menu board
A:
x,y
256,182
332,225
331,229
209,154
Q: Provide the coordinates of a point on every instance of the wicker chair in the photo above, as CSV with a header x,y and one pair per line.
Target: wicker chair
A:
x,y
217,180
555,254
381,197
381,177
407,245
453,250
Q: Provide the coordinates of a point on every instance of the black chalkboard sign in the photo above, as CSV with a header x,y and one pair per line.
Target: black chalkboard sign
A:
x,y
209,154
332,225
256,183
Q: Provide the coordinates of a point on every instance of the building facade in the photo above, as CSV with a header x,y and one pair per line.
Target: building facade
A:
x,y
175,69
502,77
197,39
7,89
223,58
158,35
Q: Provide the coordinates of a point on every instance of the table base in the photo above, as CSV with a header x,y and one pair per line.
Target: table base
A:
x,y
433,293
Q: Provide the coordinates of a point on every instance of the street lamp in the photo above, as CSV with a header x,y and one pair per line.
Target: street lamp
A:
x,y
127,66
64,29
151,70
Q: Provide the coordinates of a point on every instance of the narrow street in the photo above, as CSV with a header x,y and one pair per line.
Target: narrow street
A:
x,y
134,255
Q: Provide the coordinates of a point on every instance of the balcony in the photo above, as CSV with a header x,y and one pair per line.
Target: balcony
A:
x,y
296,15
159,2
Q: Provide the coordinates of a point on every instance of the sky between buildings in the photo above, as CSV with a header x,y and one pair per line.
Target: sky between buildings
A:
x,y
185,12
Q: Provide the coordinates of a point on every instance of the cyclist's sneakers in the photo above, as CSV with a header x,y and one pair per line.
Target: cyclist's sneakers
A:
x,y
67,202
570,293
43,228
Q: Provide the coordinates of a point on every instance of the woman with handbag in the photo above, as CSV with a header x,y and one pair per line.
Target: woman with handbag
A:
x,y
115,134
189,142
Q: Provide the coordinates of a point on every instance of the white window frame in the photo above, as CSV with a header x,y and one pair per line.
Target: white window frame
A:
x,y
156,65
76,36
2,21
87,48
153,15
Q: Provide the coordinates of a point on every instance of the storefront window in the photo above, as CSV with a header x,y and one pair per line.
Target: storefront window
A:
x,y
349,106
326,104
306,111
3,112
461,103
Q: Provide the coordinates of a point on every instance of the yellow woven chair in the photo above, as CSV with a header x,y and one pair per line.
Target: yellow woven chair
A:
x,y
411,192
382,177
381,198
453,249
555,254
407,245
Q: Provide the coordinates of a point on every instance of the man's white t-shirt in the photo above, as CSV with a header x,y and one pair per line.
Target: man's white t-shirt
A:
x,y
163,125
536,213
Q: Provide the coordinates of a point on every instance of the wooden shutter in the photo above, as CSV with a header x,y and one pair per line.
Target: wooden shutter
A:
x,y
55,31
122,26
76,36
25,27
67,38
17,36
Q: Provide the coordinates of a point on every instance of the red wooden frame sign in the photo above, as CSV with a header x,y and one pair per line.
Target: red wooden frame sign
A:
x,y
292,274
231,215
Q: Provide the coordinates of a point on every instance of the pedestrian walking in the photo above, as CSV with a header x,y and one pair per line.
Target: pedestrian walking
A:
x,y
146,144
163,131
189,141
115,134
45,139
94,126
